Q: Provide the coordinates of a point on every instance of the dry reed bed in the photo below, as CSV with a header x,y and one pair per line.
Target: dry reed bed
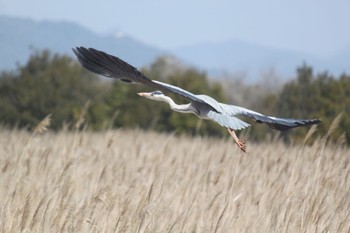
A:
x,y
134,181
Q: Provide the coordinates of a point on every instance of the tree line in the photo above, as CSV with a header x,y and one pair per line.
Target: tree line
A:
x,y
57,84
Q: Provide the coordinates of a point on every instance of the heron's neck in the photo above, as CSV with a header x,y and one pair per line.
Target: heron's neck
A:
x,y
177,107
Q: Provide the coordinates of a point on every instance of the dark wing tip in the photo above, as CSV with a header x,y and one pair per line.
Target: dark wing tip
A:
x,y
286,124
107,65
317,121
308,122
93,62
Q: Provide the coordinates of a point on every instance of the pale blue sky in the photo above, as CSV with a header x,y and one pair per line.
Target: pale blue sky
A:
x,y
318,26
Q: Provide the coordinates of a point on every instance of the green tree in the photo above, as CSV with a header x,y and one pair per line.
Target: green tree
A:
x,y
321,96
46,84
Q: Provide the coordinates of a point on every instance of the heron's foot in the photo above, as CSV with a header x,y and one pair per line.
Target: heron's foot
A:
x,y
240,143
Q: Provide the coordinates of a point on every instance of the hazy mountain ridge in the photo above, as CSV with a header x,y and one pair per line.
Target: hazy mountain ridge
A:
x,y
252,59
18,36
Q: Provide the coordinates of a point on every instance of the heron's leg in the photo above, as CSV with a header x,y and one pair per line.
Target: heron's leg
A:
x,y
240,143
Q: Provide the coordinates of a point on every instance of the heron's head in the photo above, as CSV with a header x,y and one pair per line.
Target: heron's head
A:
x,y
155,95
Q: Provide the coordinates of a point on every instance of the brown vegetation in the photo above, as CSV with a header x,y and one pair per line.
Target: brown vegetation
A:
x,y
136,181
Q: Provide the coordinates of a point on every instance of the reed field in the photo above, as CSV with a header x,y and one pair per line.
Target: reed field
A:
x,y
137,181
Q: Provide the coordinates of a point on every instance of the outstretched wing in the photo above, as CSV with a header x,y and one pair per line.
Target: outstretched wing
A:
x,y
113,67
273,122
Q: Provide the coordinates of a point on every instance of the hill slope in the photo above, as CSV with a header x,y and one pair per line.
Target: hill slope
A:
x,y
18,37
253,59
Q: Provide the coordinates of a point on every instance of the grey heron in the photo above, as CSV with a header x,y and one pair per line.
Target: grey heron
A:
x,y
203,106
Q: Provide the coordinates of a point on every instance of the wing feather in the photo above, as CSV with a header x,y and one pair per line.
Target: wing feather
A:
x,y
107,65
113,67
273,122
179,91
227,121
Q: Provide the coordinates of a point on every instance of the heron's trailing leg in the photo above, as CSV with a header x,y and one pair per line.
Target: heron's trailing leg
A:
x,y
240,143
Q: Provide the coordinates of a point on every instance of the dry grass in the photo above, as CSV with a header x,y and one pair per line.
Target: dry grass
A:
x,y
133,181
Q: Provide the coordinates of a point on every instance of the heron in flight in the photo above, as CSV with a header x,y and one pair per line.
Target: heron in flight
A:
x,y
205,107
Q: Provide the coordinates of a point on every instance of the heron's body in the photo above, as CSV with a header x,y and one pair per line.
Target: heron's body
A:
x,y
203,106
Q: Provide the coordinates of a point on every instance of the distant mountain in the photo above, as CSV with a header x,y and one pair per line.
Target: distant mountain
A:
x,y
18,37
236,56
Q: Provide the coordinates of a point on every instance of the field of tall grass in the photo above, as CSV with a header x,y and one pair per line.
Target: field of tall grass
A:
x,y
136,181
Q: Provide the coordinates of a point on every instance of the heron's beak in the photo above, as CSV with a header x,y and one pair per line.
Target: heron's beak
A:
x,y
143,94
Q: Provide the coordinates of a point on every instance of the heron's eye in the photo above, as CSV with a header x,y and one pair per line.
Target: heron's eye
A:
x,y
156,93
